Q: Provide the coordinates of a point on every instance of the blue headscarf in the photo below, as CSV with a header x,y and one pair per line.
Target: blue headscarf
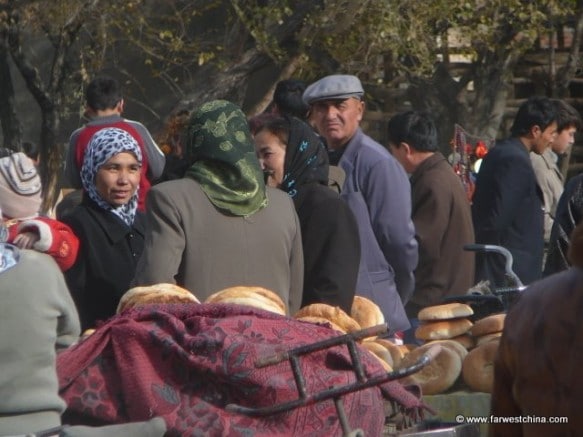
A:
x,y
105,144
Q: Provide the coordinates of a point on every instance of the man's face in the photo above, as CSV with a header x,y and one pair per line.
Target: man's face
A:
x,y
337,120
564,140
543,138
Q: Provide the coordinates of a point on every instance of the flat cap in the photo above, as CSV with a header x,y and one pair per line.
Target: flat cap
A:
x,y
336,86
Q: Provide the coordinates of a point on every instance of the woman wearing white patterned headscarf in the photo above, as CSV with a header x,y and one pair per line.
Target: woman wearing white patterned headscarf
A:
x,y
108,225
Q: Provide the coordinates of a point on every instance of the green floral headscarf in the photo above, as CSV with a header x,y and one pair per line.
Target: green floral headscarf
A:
x,y
222,153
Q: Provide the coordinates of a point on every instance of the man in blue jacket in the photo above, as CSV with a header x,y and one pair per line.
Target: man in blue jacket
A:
x,y
376,189
508,204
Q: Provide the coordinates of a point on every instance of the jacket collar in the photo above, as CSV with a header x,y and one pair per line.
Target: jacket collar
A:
x,y
96,121
430,162
112,226
351,151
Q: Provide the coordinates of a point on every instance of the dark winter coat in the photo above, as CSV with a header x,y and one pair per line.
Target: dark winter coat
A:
x,y
508,211
331,246
108,254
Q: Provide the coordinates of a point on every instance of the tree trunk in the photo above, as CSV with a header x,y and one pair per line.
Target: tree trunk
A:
x,y
568,71
11,126
229,84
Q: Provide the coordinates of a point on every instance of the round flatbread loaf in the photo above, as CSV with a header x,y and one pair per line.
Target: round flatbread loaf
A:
x,y
445,312
320,321
442,330
366,312
478,367
380,352
466,340
488,325
453,345
437,376
334,314
488,337
396,351
266,299
155,294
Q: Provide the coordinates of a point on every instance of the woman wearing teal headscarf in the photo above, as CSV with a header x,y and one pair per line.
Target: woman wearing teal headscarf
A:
x,y
220,226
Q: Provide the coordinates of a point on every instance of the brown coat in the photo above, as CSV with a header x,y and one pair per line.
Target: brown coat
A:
x,y
443,225
191,243
538,368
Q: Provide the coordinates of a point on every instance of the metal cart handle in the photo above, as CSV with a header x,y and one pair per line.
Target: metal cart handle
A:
x,y
502,251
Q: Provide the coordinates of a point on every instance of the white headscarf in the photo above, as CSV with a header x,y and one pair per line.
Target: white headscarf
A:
x,y
104,144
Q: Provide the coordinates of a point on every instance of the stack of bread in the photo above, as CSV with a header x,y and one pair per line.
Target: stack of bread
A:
x,y
478,367
488,328
256,297
448,326
329,315
364,314
444,322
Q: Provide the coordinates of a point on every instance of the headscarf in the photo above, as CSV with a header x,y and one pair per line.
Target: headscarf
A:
x,y
105,144
306,160
224,163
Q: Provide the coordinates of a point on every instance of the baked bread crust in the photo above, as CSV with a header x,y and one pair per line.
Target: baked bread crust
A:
x,y
453,345
366,312
155,294
334,314
437,376
256,297
466,340
445,312
396,351
478,367
442,330
488,325
381,353
487,338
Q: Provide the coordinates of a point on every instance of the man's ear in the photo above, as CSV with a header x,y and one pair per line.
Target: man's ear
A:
x,y
119,106
361,108
535,131
406,147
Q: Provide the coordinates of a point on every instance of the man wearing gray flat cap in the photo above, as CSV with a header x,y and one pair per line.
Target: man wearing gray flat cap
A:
x,y
376,189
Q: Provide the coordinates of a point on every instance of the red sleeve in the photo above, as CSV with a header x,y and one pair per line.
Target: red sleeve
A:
x,y
56,239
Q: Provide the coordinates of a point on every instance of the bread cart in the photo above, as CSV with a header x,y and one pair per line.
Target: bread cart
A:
x,y
396,423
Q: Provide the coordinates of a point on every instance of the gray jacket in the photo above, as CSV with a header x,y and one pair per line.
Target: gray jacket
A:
x,y
37,316
378,192
191,243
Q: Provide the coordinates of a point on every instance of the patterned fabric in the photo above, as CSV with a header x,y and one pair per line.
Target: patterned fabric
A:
x,y
105,144
187,362
9,256
221,149
306,160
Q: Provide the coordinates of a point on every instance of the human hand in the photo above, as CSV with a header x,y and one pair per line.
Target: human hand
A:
x,y
26,240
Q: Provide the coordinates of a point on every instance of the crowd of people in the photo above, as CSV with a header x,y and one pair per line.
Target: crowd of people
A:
x,y
298,200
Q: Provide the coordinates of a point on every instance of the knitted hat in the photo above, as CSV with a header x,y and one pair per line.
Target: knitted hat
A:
x,y
20,186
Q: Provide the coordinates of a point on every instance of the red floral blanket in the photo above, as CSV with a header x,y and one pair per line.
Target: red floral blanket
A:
x,y
187,362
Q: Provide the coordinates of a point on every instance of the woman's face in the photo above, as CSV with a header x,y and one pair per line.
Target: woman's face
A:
x,y
271,153
117,180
